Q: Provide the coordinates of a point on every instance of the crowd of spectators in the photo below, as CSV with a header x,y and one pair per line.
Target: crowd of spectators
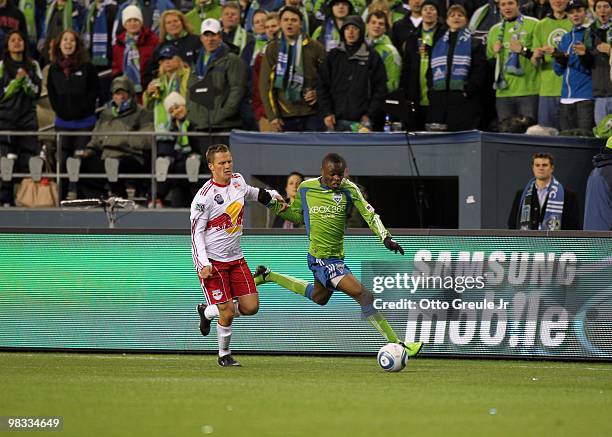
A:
x,y
292,65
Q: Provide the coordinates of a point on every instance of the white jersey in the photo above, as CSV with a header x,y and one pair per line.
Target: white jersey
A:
x,y
216,220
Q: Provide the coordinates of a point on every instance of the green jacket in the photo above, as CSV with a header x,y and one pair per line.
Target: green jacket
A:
x,y
392,60
274,100
200,13
133,119
227,75
528,84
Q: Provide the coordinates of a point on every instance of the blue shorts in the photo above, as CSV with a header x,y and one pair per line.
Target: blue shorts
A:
x,y
324,270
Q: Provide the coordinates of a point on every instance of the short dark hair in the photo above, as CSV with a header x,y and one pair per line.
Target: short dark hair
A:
x,y
333,158
292,9
543,156
213,149
381,15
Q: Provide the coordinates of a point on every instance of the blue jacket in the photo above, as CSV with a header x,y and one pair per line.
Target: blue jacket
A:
x,y
598,202
577,73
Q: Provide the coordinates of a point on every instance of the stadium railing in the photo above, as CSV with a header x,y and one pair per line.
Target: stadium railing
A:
x,y
155,175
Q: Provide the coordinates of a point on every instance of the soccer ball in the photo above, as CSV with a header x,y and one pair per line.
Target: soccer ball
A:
x,y
392,357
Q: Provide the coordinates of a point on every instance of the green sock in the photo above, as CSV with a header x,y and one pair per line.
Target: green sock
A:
x,y
298,286
378,321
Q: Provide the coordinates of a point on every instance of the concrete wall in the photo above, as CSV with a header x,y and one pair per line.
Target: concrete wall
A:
x,y
490,168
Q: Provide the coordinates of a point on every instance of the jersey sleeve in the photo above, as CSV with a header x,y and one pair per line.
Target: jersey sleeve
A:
x,y
367,211
293,213
199,219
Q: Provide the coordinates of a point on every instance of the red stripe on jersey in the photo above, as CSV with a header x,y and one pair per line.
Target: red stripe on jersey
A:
x,y
205,188
194,246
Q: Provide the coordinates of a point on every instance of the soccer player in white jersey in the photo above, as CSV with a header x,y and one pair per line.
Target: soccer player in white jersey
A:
x,y
216,227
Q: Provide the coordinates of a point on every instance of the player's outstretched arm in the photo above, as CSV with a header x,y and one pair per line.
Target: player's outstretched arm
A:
x,y
292,212
367,211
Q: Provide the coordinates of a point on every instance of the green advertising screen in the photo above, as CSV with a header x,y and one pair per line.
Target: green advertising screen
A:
x,y
464,294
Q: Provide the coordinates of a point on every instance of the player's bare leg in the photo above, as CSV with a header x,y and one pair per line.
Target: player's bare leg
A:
x,y
320,294
248,305
352,287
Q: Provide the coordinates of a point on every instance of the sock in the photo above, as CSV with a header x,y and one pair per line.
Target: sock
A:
x,y
259,280
224,335
211,312
236,309
378,321
298,286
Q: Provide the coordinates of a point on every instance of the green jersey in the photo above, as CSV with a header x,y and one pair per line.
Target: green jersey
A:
x,y
520,29
548,32
324,212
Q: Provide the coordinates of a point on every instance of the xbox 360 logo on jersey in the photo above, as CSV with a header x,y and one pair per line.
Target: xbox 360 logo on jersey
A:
x,y
331,209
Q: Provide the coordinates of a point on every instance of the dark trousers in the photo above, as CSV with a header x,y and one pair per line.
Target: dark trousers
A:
x,y
24,148
579,115
454,109
308,123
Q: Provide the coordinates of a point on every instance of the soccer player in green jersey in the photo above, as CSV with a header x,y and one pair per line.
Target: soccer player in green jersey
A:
x,y
322,205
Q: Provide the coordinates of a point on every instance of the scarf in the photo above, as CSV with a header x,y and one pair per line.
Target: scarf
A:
x,y
202,65
118,110
67,65
260,42
240,38
248,20
28,7
99,42
554,206
183,34
167,84
290,71
426,39
460,67
331,37
66,15
512,65
607,27
131,61
182,142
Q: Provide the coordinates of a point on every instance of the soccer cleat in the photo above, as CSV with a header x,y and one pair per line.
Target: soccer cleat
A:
x,y
260,274
228,361
204,322
413,349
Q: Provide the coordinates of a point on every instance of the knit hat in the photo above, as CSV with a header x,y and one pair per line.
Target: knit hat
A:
x,y
174,99
431,3
131,12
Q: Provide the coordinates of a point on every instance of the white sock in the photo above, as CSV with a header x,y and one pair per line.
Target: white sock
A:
x,y
211,312
236,309
224,335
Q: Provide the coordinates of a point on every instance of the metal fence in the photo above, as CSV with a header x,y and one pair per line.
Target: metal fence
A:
x,y
37,164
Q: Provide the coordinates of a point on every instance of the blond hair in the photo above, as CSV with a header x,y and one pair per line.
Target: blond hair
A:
x,y
162,21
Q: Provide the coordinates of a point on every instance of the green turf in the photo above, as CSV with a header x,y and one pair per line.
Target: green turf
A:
x,y
175,395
